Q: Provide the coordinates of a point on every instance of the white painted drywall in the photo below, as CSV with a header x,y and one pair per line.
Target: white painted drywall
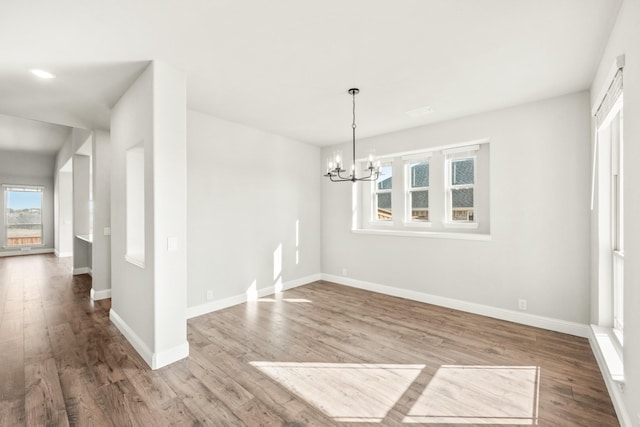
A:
x,y
625,39
29,169
539,247
81,188
101,248
170,207
64,241
247,190
149,304
132,296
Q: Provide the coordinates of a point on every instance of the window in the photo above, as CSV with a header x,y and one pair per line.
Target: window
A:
x,y
383,194
609,164
442,189
23,215
417,196
460,188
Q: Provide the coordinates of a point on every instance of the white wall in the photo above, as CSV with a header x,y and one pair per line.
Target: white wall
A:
x,y
29,169
149,303
101,248
247,192
64,232
625,39
539,247
82,256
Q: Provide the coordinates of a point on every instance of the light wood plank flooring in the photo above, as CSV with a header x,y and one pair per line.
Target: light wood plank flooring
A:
x,y
321,354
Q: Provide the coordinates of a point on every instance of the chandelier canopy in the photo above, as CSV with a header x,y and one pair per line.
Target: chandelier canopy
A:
x,y
335,172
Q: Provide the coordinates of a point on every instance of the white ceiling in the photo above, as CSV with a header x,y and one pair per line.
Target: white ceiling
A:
x,y
285,65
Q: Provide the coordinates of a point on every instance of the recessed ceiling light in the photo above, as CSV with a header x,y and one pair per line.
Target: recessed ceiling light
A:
x,y
43,74
419,112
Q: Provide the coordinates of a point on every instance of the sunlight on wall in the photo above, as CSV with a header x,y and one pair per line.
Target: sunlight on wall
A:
x,y
252,291
297,241
360,392
277,269
479,395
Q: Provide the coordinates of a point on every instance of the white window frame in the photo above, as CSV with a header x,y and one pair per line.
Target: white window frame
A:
x,y
457,154
18,187
409,189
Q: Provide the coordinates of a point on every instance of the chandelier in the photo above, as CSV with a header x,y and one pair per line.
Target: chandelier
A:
x,y
334,166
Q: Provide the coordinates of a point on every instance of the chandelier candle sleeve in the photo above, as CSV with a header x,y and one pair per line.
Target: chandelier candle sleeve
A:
x,y
334,168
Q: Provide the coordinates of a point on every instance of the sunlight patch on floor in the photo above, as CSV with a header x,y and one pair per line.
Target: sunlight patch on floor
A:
x,y
479,395
358,392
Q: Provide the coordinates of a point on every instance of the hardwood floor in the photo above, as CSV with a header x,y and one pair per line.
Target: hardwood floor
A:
x,y
321,354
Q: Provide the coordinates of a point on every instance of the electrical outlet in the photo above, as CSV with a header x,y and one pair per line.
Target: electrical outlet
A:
x,y
209,295
522,304
344,271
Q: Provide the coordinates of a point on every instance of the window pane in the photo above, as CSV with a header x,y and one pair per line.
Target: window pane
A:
x,y
420,174
462,171
24,217
462,205
420,205
384,206
384,180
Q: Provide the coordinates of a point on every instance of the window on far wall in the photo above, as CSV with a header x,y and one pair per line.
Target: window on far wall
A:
x,y
23,215
460,189
417,171
445,187
383,193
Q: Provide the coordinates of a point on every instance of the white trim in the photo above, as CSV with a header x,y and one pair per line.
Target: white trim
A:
x,y
428,234
137,260
132,337
30,252
614,387
63,254
618,63
169,356
418,156
81,270
549,323
27,187
461,224
429,150
154,360
98,295
212,306
416,224
458,150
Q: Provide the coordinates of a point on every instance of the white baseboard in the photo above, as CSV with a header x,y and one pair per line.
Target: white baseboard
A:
x,y
63,254
98,295
29,252
212,306
154,360
615,388
81,270
549,323
132,337
167,357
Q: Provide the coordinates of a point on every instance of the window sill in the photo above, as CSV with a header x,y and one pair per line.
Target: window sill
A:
x,y
427,234
417,224
135,259
461,225
610,350
27,246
